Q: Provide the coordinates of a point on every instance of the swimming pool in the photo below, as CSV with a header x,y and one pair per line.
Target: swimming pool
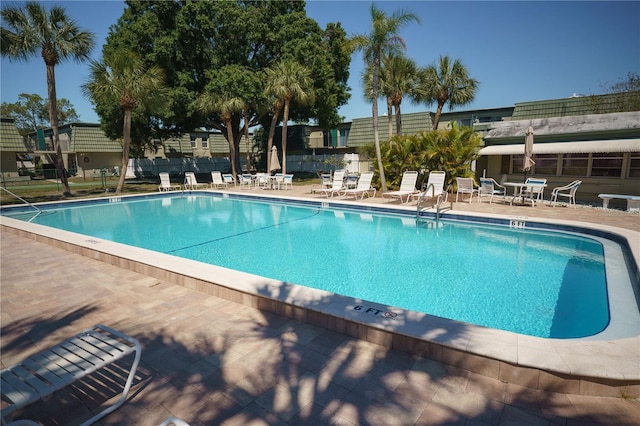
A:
x,y
529,281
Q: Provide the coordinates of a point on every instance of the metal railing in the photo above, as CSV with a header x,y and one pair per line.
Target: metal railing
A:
x,y
38,211
438,201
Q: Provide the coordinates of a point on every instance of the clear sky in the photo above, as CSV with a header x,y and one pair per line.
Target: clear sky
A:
x,y
518,50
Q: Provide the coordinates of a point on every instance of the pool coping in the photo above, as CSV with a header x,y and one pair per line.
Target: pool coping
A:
x,y
576,366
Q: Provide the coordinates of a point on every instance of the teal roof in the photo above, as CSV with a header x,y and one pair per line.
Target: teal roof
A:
x,y
10,139
577,105
361,132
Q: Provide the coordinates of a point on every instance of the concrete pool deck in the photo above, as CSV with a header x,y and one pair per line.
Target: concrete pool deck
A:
x,y
300,372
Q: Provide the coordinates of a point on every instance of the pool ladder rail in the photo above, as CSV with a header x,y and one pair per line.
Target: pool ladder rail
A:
x,y
442,197
38,211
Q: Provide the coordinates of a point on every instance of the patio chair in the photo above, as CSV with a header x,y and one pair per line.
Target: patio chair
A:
x,y
568,191
246,180
363,187
434,187
535,193
490,188
465,186
165,183
336,185
286,181
190,181
46,372
407,187
262,180
217,181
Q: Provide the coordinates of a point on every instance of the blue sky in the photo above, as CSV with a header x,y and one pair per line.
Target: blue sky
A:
x,y
519,50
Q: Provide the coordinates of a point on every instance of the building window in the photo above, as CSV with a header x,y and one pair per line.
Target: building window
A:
x,y
546,164
194,144
516,163
575,164
205,143
634,164
607,164
344,135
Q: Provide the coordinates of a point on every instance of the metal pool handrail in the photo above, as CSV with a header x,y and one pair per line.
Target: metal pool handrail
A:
x,y
39,211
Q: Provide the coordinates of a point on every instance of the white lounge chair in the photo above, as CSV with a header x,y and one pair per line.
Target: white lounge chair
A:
x,y
190,181
567,191
465,186
336,185
165,183
363,187
217,181
46,372
407,187
490,188
228,179
434,187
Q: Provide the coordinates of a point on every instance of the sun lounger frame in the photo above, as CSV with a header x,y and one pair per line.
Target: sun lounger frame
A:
x,y
46,372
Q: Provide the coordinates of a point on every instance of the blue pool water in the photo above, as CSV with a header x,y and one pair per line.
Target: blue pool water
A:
x,y
540,283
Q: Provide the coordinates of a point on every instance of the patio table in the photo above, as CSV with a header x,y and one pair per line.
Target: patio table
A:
x,y
520,192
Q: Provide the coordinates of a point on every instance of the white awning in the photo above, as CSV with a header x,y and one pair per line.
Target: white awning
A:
x,y
614,145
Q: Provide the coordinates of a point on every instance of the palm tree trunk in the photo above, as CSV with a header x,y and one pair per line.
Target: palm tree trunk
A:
x,y
53,118
436,119
232,146
374,107
390,117
245,114
126,143
285,118
398,121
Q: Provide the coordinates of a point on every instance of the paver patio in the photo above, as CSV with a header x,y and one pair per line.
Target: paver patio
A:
x,y
210,361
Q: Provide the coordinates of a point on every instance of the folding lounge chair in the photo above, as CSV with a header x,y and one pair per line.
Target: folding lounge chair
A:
x,y
407,187
465,186
568,191
490,188
44,373
363,188
217,181
336,185
228,179
165,183
434,187
190,181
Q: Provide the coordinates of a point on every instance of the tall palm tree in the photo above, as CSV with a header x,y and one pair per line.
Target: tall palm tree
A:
x,y
447,83
56,37
123,79
401,79
382,39
288,81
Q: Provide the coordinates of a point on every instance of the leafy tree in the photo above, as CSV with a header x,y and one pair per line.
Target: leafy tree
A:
x,y
31,112
31,30
625,94
122,79
447,83
383,39
190,40
288,82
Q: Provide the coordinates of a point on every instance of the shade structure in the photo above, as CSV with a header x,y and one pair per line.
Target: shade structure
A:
x,y
274,164
527,161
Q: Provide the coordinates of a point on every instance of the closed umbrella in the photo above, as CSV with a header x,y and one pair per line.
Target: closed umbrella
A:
x,y
527,161
275,163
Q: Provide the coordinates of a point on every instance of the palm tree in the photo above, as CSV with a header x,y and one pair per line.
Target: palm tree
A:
x,y
122,78
401,79
288,81
447,83
32,30
383,39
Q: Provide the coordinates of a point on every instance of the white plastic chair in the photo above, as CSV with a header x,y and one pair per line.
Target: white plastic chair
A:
x,y
465,186
228,179
434,187
285,181
165,183
336,185
190,181
568,191
490,188
245,181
